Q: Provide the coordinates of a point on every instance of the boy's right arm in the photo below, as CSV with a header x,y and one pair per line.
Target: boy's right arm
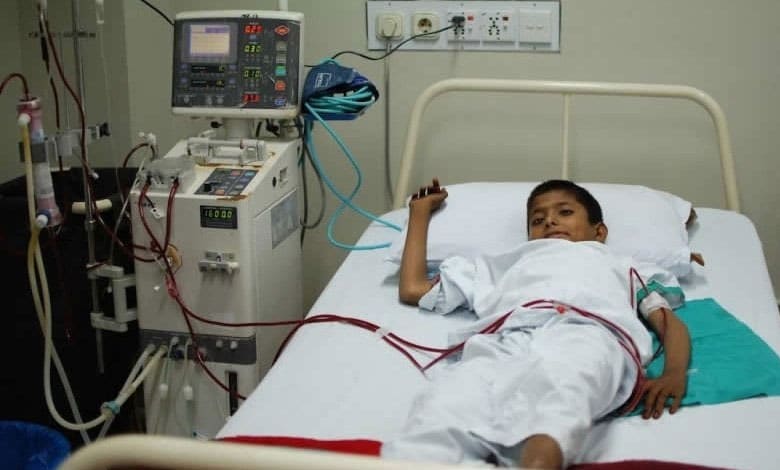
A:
x,y
414,282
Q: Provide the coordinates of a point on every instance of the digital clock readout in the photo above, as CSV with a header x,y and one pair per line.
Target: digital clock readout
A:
x,y
253,29
218,217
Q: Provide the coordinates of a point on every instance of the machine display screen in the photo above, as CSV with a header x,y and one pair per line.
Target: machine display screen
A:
x,y
218,217
210,42
239,65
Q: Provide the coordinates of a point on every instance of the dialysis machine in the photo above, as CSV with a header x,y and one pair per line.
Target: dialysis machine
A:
x,y
222,207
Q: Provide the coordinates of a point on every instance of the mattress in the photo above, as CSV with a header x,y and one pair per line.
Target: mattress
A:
x,y
336,381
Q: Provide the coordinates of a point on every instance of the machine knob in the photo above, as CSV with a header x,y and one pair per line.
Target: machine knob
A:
x,y
233,345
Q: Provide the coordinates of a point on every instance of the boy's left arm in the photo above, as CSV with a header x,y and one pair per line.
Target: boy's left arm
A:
x,y
676,341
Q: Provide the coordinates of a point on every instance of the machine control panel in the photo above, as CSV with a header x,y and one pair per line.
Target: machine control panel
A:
x,y
226,182
244,62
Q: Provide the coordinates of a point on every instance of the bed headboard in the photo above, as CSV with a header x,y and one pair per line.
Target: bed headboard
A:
x,y
567,89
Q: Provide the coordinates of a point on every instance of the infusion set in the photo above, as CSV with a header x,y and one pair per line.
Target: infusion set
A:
x,y
216,219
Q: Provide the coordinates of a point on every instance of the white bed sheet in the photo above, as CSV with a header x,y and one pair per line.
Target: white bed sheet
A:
x,y
337,381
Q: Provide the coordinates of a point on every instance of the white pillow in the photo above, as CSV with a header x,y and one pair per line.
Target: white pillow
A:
x,y
490,217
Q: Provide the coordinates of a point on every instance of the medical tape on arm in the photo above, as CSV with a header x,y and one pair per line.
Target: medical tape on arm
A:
x,y
651,303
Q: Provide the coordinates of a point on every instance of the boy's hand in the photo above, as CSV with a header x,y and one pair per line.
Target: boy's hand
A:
x,y
429,198
657,391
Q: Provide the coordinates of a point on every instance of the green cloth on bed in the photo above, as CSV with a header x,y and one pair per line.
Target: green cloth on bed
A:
x,y
729,361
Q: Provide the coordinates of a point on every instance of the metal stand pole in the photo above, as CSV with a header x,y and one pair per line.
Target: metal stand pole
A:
x,y
89,220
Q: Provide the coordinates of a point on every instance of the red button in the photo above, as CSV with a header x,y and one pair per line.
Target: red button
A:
x,y
282,30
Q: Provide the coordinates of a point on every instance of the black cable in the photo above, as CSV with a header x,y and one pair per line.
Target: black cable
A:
x,y
453,25
273,128
158,11
257,129
321,215
304,222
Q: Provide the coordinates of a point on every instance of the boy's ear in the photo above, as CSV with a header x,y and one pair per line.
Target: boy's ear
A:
x,y
601,232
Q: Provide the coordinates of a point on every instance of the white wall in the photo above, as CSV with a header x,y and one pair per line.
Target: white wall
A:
x,y
728,49
11,60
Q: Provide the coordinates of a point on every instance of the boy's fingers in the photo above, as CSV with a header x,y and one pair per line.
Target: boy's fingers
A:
x,y
653,401
675,405
650,401
659,405
436,182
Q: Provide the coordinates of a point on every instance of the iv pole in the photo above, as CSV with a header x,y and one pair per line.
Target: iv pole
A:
x,y
89,220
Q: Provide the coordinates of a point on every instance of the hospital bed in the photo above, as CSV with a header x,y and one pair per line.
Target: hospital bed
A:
x,y
335,382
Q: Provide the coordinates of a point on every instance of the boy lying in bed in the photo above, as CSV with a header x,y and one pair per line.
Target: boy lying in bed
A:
x,y
571,352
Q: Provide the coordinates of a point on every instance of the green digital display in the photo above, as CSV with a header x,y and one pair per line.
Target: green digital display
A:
x,y
218,217
252,48
252,72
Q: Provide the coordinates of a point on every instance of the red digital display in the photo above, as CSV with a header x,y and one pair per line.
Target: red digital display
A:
x,y
251,97
253,29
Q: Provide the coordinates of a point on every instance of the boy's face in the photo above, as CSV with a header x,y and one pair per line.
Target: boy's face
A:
x,y
557,214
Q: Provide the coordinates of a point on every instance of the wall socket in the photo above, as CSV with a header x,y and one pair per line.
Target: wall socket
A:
x,y
389,25
488,25
497,25
466,31
424,22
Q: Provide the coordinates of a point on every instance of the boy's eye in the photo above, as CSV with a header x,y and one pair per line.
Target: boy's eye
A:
x,y
537,220
567,212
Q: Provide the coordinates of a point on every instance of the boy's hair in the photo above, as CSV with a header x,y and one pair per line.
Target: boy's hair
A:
x,y
582,195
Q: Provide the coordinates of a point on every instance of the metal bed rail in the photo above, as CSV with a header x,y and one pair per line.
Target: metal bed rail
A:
x,y
567,89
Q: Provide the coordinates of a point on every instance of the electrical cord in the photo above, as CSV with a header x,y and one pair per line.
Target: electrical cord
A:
x,y
307,156
388,180
158,11
397,46
304,222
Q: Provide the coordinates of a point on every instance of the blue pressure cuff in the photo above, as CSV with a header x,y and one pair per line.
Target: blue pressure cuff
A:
x,y
328,79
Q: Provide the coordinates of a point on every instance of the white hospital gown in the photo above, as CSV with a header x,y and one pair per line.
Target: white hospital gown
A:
x,y
544,372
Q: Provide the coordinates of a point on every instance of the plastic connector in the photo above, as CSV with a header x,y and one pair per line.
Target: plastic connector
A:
x,y
187,392
458,20
23,119
42,218
111,406
163,391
